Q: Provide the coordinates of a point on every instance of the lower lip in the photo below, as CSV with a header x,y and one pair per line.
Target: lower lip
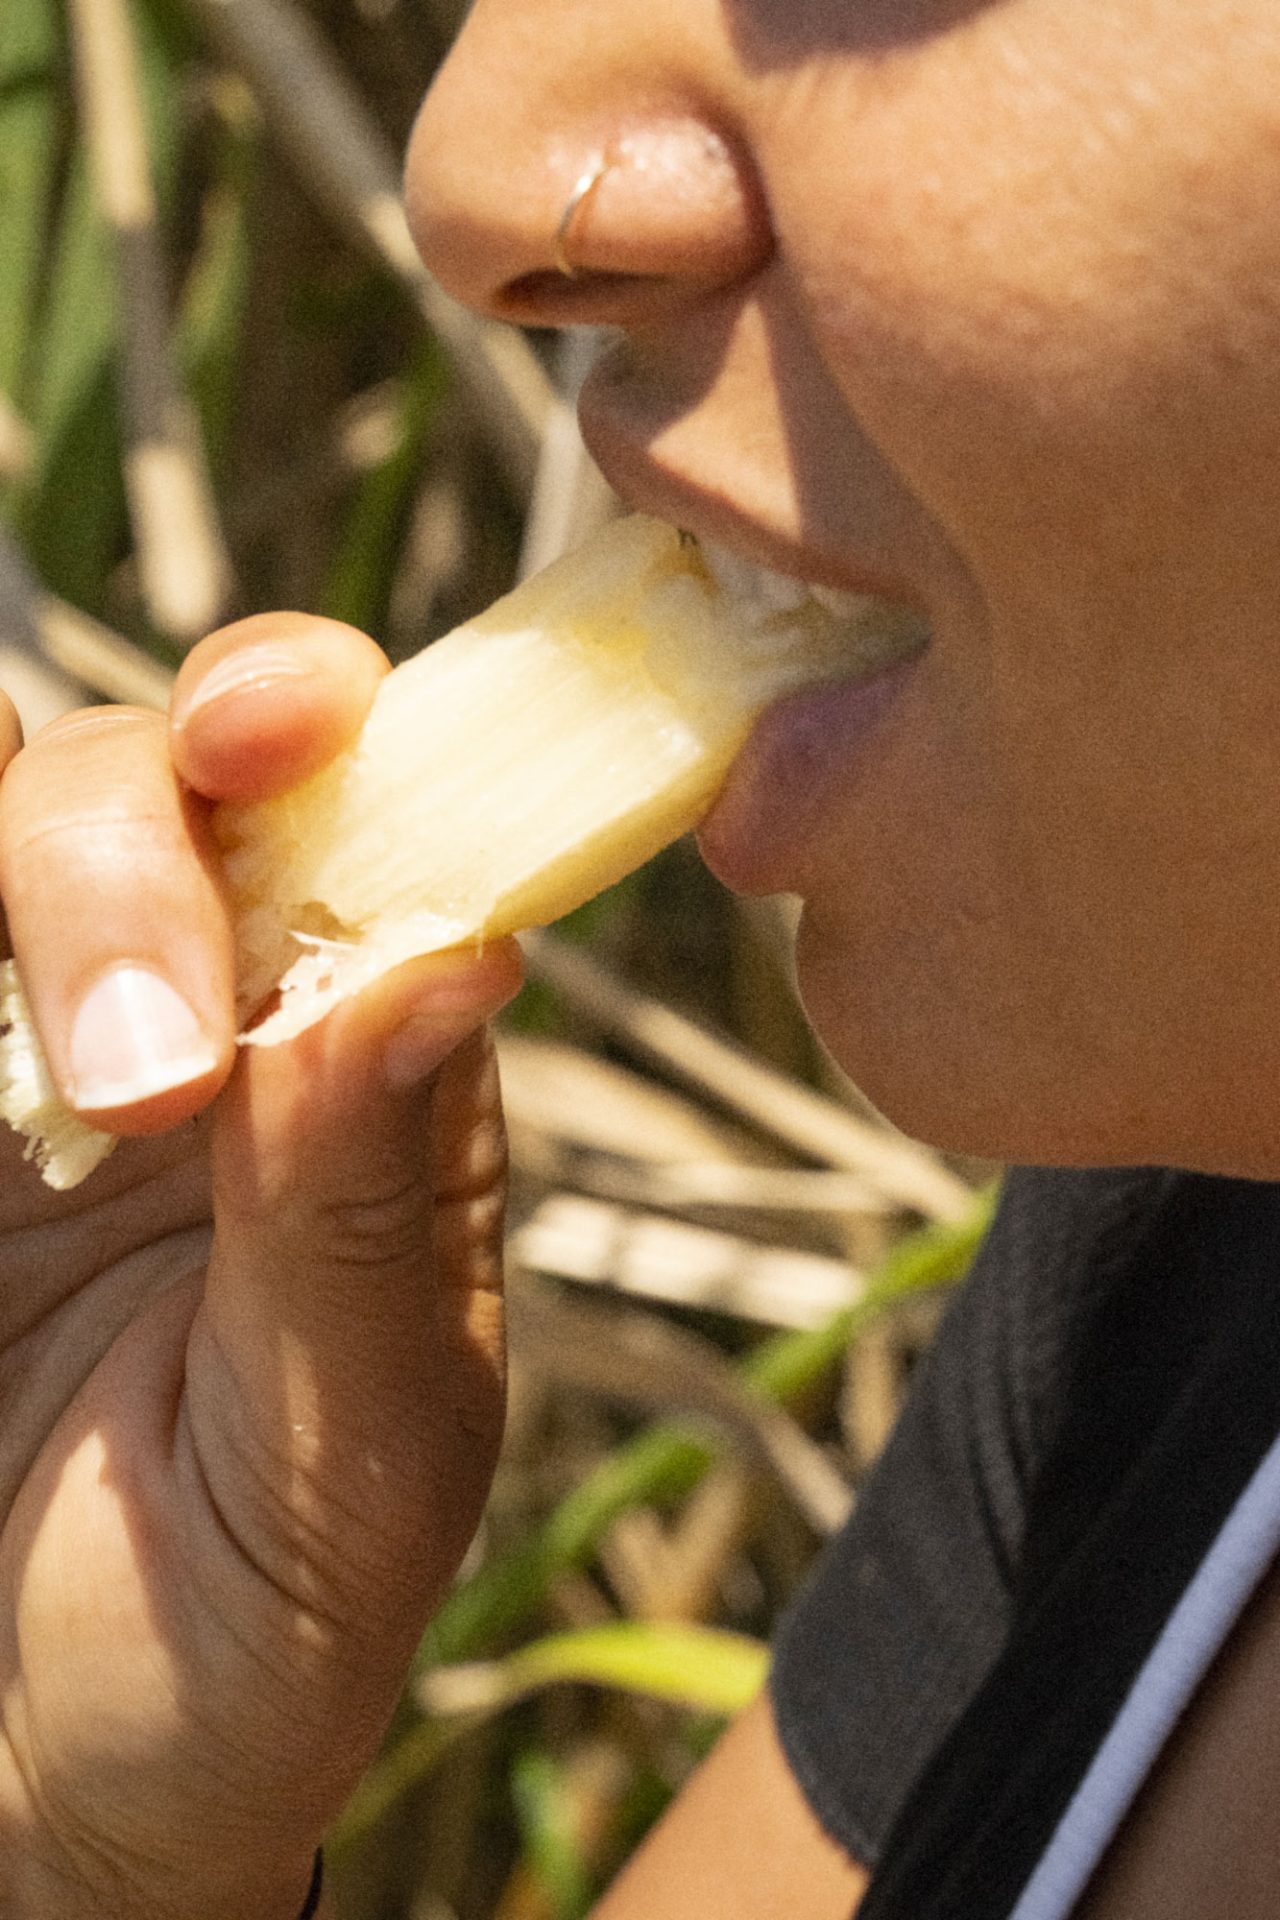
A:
x,y
779,796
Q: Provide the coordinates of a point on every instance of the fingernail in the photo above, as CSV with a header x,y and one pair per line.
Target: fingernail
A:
x,y
249,670
417,1048
134,1036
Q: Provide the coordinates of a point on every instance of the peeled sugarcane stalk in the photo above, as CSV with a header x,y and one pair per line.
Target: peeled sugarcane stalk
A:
x,y
508,773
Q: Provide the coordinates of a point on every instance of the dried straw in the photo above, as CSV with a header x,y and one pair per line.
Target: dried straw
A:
x,y
183,567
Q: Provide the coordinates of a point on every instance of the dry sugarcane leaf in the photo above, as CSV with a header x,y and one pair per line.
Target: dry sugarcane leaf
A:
x,y
636,1360
652,1256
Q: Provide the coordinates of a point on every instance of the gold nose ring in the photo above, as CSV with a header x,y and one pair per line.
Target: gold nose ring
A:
x,y
582,192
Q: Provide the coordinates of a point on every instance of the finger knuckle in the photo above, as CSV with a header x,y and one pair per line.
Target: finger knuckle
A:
x,y
376,1229
479,1166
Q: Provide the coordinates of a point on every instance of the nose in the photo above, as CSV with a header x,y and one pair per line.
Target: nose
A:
x,y
555,178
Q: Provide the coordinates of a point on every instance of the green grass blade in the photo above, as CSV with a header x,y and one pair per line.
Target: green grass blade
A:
x,y
661,1465
703,1668
932,1257
359,582
403,1767
216,293
31,126
545,1820
72,514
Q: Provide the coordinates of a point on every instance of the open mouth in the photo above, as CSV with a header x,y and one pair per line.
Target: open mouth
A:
x,y
863,633
776,797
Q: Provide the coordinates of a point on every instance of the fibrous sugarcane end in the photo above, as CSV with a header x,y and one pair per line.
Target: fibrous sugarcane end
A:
x,y
330,970
64,1148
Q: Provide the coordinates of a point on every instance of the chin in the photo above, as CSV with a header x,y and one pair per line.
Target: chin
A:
x,y
946,1064
949,1113
975,1092
912,1042
962,1108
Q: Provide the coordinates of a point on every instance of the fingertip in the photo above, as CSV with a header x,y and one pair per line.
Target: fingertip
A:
x,y
266,703
385,1040
474,981
143,1115
419,1011
339,1107
440,1005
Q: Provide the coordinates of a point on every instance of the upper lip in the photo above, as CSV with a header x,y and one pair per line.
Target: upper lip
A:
x,y
645,485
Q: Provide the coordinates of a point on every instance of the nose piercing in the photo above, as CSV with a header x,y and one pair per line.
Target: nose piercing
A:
x,y
582,192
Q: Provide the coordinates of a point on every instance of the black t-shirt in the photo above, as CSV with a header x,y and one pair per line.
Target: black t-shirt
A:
x,y
1101,1390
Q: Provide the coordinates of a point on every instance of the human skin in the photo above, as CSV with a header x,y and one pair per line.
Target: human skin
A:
x,y
252,1372
975,305
979,305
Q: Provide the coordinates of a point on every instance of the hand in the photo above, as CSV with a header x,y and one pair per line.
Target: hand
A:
x,y
251,1373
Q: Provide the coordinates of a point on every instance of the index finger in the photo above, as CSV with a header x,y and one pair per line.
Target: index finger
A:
x,y
264,704
113,899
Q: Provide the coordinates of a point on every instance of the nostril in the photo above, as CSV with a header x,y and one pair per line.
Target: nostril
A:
x,y
589,299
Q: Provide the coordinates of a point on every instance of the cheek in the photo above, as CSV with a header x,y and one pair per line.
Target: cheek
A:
x,y
1047,265
1020,913
970,977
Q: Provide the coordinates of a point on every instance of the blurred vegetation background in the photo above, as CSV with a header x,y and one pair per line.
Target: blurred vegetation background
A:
x,y
227,385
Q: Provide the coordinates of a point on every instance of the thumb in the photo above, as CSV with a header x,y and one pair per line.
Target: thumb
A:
x,y
345,1375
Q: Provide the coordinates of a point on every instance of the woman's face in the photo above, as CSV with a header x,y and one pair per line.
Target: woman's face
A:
x,y
976,306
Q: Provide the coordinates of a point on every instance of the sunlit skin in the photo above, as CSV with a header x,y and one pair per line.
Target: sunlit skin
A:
x,y
977,306
252,1372
993,324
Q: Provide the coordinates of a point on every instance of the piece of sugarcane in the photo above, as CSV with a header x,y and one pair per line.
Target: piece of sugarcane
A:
x,y
508,773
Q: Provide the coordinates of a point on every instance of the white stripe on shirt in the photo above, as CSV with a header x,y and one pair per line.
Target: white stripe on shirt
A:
x,y
1198,1626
